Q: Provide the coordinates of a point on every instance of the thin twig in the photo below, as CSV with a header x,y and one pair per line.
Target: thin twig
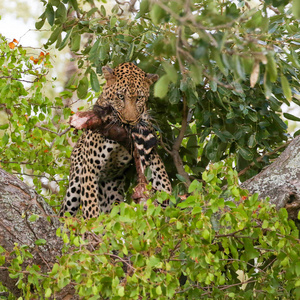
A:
x,y
242,172
58,134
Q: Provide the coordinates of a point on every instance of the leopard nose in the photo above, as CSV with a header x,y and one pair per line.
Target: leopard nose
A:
x,y
130,117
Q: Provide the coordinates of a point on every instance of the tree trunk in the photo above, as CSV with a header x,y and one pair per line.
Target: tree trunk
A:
x,y
17,203
280,181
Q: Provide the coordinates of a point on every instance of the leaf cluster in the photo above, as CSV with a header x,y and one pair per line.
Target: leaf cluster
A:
x,y
231,67
31,126
212,245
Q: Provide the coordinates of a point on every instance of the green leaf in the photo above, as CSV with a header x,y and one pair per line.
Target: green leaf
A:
x,y
156,14
65,238
252,140
76,241
196,74
195,185
153,261
191,97
174,95
291,117
114,211
61,13
54,35
246,153
40,242
92,11
218,59
82,89
5,139
5,126
50,14
297,267
170,70
75,42
272,68
104,51
74,4
40,24
94,81
65,40
252,116
180,177
205,234
239,67
297,133
94,52
113,21
54,269
161,86
121,291
33,218
103,10
178,225
296,8
48,292
158,290
286,88
130,52
144,8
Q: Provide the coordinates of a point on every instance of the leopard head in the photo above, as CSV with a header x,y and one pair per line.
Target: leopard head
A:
x,y
127,91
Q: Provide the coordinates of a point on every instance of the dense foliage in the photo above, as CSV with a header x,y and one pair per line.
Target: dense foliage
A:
x,y
205,247
225,71
32,126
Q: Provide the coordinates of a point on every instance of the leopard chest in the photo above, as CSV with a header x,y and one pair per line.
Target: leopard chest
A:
x,y
102,156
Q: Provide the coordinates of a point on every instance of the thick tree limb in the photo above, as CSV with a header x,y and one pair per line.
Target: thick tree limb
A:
x,y
281,180
17,203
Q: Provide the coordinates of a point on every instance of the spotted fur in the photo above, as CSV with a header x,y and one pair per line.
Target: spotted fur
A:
x,y
98,164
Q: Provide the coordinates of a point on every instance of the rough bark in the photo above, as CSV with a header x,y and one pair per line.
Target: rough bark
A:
x,y
17,203
281,180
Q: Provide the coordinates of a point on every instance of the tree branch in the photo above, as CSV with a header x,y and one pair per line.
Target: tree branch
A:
x,y
176,146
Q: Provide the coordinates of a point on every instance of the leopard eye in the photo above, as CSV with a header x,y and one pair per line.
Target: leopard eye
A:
x,y
121,96
139,98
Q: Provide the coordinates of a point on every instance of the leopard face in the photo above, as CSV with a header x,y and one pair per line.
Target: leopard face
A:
x,y
127,92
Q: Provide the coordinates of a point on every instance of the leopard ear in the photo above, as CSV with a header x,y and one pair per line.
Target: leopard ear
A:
x,y
108,75
151,78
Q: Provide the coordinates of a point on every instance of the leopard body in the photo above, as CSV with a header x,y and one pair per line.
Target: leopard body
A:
x,y
98,164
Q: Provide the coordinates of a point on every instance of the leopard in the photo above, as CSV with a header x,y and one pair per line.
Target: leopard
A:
x,y
98,163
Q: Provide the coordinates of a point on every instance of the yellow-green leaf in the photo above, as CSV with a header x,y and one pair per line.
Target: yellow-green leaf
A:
x,y
286,88
156,14
161,86
170,70
296,8
82,88
272,68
